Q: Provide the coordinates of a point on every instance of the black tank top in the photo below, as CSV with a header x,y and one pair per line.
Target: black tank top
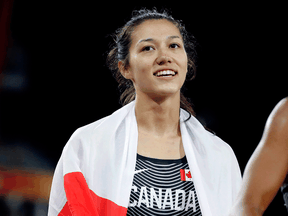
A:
x,y
284,190
163,187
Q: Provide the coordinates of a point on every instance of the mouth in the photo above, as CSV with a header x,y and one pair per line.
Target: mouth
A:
x,y
165,73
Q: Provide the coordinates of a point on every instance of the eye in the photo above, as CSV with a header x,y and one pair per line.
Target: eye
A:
x,y
174,45
147,48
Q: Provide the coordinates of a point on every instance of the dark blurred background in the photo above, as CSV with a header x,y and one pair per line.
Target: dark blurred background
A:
x,y
54,79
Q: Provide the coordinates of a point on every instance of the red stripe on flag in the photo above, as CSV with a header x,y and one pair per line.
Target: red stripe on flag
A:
x,y
182,174
65,211
83,201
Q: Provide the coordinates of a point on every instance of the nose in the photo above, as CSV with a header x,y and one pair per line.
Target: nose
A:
x,y
163,59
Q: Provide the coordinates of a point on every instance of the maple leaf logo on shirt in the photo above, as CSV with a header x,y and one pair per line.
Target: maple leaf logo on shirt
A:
x,y
185,175
189,175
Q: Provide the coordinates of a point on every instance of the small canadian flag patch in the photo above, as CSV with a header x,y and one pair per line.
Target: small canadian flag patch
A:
x,y
185,175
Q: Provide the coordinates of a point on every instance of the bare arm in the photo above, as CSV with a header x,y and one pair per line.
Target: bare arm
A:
x,y
267,167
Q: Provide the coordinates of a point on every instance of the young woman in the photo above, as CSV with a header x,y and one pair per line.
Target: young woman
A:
x,y
150,157
267,168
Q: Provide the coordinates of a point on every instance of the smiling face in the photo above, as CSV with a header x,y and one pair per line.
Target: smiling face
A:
x,y
158,61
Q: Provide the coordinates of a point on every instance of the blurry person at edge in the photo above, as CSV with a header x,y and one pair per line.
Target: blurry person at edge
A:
x,y
266,171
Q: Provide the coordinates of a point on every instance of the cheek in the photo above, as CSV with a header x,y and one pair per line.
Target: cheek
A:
x,y
183,63
140,67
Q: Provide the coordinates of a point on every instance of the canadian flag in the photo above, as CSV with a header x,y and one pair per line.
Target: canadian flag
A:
x,y
185,175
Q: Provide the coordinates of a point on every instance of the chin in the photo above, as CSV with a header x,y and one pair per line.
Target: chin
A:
x,y
167,91
164,94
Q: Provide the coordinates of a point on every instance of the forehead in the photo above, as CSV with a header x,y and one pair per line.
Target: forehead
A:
x,y
156,29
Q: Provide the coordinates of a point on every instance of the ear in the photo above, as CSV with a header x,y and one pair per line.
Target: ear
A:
x,y
124,71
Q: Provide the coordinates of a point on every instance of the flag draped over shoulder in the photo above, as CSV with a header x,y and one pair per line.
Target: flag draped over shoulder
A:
x,y
95,172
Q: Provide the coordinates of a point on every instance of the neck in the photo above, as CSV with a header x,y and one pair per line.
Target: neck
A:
x,y
158,116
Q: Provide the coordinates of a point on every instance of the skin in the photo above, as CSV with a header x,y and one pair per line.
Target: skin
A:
x,y
157,45
268,166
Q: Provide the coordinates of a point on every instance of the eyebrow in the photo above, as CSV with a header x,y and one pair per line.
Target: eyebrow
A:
x,y
172,37
145,40
151,39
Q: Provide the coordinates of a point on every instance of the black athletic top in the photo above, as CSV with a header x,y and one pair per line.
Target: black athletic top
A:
x,y
163,187
284,190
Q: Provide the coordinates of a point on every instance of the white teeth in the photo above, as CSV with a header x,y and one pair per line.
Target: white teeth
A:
x,y
165,72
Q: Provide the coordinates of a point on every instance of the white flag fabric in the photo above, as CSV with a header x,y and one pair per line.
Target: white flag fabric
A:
x,y
95,172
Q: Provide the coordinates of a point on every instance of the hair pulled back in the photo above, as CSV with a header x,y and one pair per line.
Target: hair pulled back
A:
x,y
121,46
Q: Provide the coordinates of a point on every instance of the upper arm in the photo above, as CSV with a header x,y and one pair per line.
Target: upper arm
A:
x,y
268,166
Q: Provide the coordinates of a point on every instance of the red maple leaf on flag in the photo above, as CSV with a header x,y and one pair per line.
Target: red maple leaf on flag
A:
x,y
189,175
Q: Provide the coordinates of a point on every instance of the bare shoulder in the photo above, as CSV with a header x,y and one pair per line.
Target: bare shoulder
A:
x,y
277,124
279,115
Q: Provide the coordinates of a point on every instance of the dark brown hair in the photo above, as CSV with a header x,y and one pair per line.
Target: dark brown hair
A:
x,y
120,52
